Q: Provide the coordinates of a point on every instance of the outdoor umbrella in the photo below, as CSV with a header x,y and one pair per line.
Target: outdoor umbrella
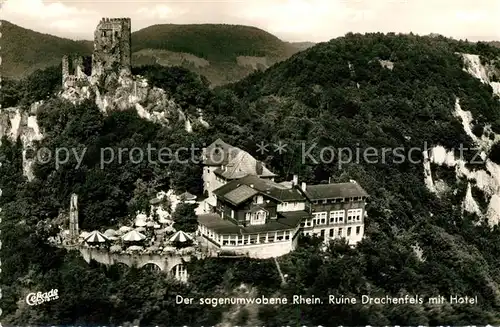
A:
x,y
115,248
180,236
125,229
140,220
96,237
133,236
84,234
140,223
110,232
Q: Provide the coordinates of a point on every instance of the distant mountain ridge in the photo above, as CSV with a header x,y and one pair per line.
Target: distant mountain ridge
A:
x,y
222,53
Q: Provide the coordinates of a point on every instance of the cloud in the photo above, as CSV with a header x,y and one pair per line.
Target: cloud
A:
x,y
307,19
291,20
158,11
54,17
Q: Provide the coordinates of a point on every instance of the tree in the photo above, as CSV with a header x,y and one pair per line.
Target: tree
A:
x,y
185,217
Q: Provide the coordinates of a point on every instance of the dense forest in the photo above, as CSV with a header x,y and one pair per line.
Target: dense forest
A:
x,y
333,94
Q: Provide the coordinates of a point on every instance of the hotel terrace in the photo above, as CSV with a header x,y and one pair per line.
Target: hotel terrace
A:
x,y
251,215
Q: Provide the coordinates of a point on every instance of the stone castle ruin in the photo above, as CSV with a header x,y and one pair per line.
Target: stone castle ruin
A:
x,y
110,60
107,77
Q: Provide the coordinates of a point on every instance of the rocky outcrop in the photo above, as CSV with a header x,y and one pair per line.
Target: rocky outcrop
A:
x,y
485,73
16,123
487,178
151,103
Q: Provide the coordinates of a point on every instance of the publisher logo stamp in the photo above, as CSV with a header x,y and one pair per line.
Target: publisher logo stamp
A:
x,y
39,297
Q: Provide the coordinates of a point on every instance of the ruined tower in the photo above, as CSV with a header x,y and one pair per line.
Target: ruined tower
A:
x,y
112,48
73,70
73,218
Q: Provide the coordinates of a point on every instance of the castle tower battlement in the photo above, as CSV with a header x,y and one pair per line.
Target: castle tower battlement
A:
x,y
112,47
111,56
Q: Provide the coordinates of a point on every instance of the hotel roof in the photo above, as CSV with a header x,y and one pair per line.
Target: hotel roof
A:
x,y
333,191
258,185
237,163
289,220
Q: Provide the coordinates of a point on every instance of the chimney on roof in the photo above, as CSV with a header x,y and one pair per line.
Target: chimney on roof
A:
x,y
259,167
295,180
303,186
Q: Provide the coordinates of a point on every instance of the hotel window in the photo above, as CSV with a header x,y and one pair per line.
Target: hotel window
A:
x,y
279,236
247,216
258,218
322,233
287,235
316,218
232,213
331,232
354,214
321,218
340,232
260,199
337,216
285,205
348,231
325,201
358,229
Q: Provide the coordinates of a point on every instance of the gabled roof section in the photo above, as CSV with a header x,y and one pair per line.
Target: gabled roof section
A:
x,y
260,186
333,191
237,163
257,208
219,153
243,164
187,196
240,194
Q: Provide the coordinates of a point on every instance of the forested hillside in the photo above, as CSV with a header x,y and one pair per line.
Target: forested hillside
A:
x,y
222,53
335,94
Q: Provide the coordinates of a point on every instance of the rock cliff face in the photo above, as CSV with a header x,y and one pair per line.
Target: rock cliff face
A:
x,y
151,103
15,123
486,179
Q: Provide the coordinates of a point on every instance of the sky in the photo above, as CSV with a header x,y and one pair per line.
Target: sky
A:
x,y
290,20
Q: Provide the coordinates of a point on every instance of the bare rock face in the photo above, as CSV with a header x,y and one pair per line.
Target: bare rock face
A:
x,y
111,82
16,123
